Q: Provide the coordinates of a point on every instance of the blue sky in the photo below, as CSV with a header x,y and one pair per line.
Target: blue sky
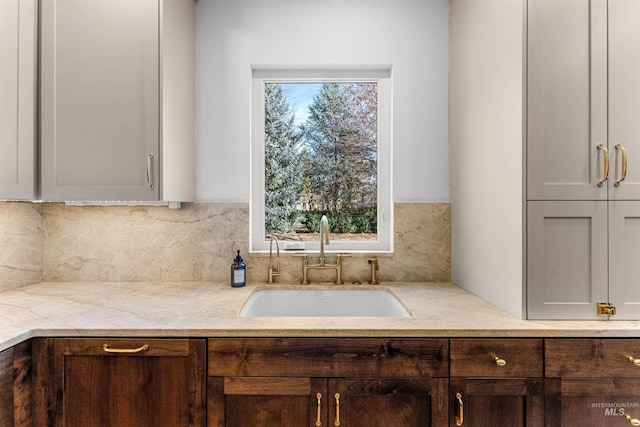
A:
x,y
301,95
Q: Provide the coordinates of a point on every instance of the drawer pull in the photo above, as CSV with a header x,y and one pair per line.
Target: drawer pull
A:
x,y
632,421
108,349
319,397
499,361
623,174
337,396
150,171
605,173
634,360
460,416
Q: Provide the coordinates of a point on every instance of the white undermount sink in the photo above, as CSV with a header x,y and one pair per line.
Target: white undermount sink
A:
x,y
323,303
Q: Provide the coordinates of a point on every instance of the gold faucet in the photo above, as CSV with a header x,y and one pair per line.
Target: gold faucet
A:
x,y
273,271
373,262
322,264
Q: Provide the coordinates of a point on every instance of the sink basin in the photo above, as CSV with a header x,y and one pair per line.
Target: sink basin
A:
x,y
323,303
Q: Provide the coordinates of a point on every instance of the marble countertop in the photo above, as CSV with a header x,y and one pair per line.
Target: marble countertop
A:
x,y
169,309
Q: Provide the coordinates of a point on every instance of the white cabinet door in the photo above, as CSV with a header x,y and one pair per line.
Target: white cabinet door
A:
x,y
566,259
624,97
566,99
624,259
100,99
18,50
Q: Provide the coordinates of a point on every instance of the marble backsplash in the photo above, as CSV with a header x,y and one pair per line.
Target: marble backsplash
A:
x,y
59,243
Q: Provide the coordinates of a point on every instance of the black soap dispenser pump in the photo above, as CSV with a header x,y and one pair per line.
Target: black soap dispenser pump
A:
x,y
238,272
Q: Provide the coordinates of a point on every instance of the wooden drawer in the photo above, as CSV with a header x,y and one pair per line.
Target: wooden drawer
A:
x,y
496,358
582,358
328,357
123,347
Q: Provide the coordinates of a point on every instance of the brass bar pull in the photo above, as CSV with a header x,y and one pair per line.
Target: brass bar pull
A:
x,y
150,171
499,361
337,396
108,349
319,397
632,421
634,360
460,416
605,173
623,175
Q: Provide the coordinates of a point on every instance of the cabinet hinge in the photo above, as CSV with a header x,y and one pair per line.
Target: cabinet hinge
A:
x,y
605,309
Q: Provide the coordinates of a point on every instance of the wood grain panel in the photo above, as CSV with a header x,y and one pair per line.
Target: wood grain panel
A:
x,y
328,357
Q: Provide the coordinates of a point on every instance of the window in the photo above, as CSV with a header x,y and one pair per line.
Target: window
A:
x,y
321,145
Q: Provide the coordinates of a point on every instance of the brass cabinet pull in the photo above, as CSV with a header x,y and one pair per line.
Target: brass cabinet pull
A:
x,y
632,421
337,396
605,173
634,360
319,397
108,349
623,175
150,171
460,416
499,361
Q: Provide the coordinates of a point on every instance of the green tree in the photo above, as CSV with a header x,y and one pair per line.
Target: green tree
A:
x,y
283,167
341,138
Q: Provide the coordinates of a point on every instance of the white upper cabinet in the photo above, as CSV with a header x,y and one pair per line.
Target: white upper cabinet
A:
x,y
109,70
624,98
18,65
566,100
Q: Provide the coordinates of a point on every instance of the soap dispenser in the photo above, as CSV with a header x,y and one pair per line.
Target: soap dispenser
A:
x,y
238,272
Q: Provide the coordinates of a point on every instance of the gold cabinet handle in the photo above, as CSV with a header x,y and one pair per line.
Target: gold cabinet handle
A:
x,y
605,173
632,421
108,349
460,416
319,397
634,360
499,361
623,175
150,171
337,396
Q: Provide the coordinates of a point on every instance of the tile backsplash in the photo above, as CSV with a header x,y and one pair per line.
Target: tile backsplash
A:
x,y
53,242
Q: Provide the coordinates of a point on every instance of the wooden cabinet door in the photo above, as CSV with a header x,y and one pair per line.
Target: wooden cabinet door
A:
x,y
567,259
15,386
566,99
592,402
267,402
128,382
18,67
99,99
592,382
492,402
388,402
624,97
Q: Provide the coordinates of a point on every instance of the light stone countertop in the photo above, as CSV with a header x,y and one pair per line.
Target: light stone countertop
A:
x,y
170,309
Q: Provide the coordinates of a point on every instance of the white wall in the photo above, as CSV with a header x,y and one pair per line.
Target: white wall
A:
x,y
486,137
410,35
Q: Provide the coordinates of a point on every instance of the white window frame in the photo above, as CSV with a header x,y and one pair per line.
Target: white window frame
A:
x,y
380,75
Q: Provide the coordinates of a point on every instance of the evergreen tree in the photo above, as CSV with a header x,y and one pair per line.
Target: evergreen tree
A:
x,y
283,167
341,137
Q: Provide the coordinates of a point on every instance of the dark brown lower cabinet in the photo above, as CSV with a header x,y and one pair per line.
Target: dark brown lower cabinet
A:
x,y
361,402
496,382
497,402
15,386
125,382
592,382
298,382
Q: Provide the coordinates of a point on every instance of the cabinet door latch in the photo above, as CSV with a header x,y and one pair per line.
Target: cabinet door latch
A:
x,y
605,309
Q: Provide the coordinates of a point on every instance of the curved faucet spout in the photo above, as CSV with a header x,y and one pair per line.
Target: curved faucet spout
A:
x,y
324,236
